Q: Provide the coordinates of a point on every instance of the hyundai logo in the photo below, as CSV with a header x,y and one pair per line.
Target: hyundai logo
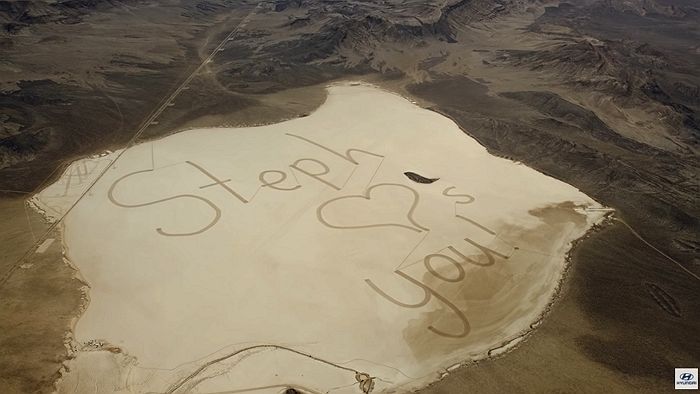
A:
x,y
686,376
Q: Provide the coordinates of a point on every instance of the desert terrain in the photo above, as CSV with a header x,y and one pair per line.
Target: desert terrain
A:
x,y
195,265
599,95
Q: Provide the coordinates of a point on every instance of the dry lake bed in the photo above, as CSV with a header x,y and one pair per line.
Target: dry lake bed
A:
x,y
371,245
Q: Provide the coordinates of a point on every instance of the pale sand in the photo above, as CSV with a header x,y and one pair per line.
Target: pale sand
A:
x,y
305,268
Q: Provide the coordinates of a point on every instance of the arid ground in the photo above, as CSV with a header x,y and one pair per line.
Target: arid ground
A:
x,y
601,95
211,241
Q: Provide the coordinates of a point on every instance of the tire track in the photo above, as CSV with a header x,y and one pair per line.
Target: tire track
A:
x,y
206,365
636,234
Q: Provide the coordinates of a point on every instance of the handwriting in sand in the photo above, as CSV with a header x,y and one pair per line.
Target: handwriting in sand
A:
x,y
276,179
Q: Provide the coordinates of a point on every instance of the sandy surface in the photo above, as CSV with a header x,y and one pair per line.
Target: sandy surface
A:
x,y
307,235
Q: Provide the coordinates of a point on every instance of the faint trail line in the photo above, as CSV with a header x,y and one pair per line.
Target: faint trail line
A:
x,y
348,180
411,252
380,364
374,174
295,177
29,221
206,365
417,261
466,219
636,234
144,125
281,386
153,159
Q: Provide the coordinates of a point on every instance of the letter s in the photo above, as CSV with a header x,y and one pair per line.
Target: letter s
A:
x,y
217,211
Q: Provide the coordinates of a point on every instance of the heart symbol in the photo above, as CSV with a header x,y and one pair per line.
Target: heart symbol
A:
x,y
367,196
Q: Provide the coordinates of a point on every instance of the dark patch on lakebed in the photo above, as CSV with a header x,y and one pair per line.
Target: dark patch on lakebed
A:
x,y
419,178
